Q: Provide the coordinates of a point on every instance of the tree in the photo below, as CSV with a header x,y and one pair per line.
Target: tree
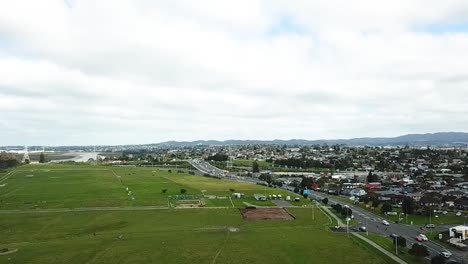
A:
x,y
183,191
232,190
386,207
401,241
255,168
42,158
296,189
266,177
438,260
307,182
419,250
408,206
325,200
372,177
8,160
346,212
164,190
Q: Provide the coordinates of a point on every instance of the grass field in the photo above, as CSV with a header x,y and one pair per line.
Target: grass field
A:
x,y
159,235
48,186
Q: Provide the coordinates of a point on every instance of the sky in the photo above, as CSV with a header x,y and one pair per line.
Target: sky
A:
x,y
108,72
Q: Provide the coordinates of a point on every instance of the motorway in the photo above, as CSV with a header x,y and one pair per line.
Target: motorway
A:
x,y
373,224
372,221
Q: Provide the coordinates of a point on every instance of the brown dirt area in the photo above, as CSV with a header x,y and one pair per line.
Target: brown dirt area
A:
x,y
266,214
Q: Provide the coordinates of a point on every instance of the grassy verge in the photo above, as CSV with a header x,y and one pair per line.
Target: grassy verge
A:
x,y
369,248
387,244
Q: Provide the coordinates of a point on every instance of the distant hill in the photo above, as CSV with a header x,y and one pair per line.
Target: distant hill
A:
x,y
441,138
432,139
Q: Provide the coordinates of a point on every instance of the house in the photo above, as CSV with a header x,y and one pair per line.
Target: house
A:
x,y
460,231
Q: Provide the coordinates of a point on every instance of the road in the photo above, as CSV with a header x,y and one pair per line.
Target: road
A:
x,y
374,225
372,221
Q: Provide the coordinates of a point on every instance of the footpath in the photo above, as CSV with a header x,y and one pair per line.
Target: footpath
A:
x,y
370,242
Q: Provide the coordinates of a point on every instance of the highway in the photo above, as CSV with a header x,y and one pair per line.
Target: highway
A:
x,y
373,224
372,221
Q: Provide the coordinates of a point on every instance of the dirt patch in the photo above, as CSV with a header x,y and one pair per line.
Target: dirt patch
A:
x,y
266,214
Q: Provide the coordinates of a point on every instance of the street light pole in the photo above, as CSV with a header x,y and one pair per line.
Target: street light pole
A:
x,y
396,246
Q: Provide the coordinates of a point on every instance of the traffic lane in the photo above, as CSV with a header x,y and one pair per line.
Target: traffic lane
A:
x,y
408,232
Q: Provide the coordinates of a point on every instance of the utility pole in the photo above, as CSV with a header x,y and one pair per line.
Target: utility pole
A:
x,y
396,245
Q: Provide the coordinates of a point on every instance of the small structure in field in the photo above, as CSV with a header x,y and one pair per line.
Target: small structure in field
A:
x,y
260,197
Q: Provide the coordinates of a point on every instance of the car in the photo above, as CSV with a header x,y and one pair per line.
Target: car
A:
x,y
458,214
423,237
418,238
385,222
393,236
362,228
445,253
444,212
430,226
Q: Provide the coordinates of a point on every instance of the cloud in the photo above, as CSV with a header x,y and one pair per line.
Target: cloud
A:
x,y
116,72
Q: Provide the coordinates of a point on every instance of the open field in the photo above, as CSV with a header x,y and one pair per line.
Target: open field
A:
x,y
61,186
145,229
174,236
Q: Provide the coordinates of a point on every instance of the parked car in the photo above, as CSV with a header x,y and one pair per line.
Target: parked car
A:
x,y
444,212
394,236
423,237
362,228
430,226
385,222
418,238
458,214
445,253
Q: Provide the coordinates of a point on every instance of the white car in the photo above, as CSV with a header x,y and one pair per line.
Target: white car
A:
x,y
458,214
423,237
445,253
385,222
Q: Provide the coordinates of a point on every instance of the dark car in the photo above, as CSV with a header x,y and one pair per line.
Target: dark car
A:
x,y
393,235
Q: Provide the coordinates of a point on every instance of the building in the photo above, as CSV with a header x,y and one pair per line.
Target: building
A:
x,y
460,231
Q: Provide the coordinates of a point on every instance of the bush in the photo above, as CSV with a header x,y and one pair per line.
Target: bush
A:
x,y
164,190
401,241
438,260
419,250
296,189
183,191
386,207
170,171
325,201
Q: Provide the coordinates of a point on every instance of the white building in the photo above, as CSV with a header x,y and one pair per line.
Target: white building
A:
x,y
456,231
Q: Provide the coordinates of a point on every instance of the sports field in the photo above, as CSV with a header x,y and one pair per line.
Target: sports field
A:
x,y
145,229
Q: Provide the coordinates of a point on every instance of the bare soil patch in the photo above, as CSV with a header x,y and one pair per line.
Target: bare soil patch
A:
x,y
266,214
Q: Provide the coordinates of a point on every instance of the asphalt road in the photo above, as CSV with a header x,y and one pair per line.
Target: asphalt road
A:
x,y
374,225
372,221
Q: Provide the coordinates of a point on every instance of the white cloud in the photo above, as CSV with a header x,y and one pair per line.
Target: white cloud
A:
x,y
115,72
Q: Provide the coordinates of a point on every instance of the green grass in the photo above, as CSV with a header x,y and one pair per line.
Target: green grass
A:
x,y
387,244
68,186
156,236
174,236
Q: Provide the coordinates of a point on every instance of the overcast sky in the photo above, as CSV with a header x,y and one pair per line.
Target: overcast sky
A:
x,y
121,72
